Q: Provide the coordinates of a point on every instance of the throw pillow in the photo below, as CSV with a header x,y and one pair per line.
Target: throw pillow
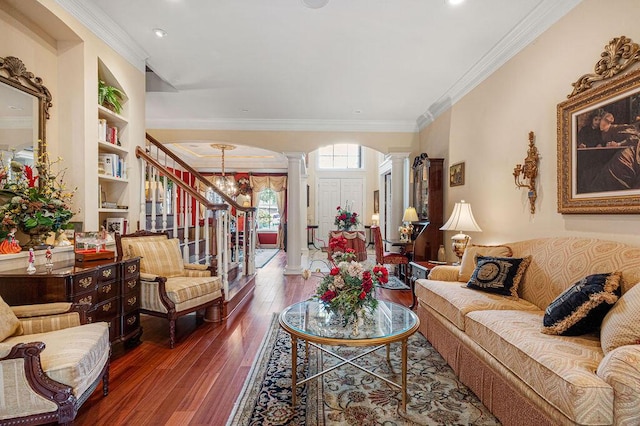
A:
x,y
9,322
621,325
581,308
468,262
499,275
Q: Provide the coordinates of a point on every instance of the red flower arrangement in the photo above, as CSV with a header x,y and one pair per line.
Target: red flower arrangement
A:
x,y
349,288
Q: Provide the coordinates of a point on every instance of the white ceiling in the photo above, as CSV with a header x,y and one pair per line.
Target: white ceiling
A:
x,y
363,65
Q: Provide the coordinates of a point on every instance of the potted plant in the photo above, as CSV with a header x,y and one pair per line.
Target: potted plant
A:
x,y
109,96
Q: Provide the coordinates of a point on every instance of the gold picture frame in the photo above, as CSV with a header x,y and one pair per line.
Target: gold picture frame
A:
x,y
456,174
601,176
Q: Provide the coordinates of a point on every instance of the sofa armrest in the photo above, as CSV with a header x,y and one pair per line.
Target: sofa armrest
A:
x,y
197,270
144,276
445,273
620,368
32,391
47,317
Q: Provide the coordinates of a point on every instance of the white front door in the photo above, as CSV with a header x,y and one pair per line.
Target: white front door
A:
x,y
333,193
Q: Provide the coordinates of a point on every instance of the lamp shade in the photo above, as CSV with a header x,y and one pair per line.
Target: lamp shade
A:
x,y
461,219
375,218
410,215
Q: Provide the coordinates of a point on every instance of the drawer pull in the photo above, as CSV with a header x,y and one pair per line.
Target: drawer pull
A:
x,y
106,307
132,320
85,282
86,300
132,300
106,273
132,268
106,288
132,284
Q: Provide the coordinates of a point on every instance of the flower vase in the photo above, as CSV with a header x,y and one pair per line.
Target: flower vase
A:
x,y
37,238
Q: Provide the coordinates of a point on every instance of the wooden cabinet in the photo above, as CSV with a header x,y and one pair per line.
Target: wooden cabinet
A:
x,y
110,287
428,192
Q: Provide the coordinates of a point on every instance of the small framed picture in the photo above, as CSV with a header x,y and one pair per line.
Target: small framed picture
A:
x,y
115,224
456,174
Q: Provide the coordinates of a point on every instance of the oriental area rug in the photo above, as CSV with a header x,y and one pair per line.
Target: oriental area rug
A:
x,y
348,396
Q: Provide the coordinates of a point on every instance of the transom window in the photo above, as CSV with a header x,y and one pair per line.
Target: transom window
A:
x,y
340,156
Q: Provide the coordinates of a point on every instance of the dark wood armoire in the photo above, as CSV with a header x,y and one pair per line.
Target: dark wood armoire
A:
x,y
428,192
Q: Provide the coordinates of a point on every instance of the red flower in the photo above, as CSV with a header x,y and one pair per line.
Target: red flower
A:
x,y
328,296
335,271
28,173
362,295
367,284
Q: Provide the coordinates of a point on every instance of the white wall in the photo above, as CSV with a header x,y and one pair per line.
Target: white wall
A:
x,y
488,130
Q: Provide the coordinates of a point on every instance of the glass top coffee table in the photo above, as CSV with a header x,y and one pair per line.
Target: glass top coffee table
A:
x,y
311,322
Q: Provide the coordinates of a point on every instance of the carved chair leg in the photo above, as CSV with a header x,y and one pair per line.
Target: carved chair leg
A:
x,y
105,382
172,333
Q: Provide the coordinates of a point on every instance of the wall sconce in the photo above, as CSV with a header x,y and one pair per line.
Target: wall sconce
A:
x,y
529,173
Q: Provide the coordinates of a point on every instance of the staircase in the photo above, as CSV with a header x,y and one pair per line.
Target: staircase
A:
x,y
178,200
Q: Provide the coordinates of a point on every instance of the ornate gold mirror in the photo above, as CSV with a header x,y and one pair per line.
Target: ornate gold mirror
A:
x,y
24,109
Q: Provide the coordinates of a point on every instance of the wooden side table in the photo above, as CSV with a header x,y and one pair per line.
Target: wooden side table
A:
x,y
419,269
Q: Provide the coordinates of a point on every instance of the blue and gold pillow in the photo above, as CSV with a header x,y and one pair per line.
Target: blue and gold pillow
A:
x,y
581,308
499,275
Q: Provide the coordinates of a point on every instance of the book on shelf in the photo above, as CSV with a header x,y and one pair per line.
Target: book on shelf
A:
x,y
102,130
112,135
112,165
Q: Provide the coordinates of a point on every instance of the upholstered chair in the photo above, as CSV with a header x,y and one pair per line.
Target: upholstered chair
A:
x,y
50,362
170,288
386,257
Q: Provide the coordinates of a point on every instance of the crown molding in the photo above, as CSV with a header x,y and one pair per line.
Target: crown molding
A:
x,y
372,126
526,31
107,30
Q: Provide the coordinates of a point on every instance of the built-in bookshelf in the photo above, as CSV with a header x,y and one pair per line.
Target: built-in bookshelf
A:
x,y
113,147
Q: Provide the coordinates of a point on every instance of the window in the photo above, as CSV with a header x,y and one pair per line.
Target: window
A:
x,y
340,156
268,215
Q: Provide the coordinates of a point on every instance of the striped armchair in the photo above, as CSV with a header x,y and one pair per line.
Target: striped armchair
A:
x,y
50,362
169,287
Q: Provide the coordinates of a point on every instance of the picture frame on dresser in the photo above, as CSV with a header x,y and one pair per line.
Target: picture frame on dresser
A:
x,y
598,139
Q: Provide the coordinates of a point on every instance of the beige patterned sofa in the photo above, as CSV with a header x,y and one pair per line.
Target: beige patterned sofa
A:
x,y
523,376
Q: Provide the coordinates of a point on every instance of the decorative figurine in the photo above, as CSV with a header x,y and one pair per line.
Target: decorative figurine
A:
x,y
31,269
49,262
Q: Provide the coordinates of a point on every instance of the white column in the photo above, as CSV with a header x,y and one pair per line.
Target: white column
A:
x,y
303,211
294,214
398,177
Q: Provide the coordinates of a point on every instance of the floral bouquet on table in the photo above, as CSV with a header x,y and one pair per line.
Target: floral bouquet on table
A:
x,y
346,219
405,232
36,204
349,289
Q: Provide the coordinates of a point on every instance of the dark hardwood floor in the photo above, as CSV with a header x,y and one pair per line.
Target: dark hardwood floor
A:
x,y
198,382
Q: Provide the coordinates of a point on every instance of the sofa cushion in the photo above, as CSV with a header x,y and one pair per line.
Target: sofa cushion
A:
x,y
9,322
621,325
581,308
184,292
560,369
499,275
74,356
454,301
158,256
468,262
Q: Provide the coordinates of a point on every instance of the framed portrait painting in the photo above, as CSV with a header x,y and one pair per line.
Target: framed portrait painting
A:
x,y
376,201
598,149
456,174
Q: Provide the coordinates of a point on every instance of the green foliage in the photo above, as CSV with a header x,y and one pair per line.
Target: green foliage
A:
x,y
109,96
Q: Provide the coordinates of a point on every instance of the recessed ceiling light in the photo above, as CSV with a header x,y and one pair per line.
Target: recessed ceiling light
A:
x,y
315,4
455,2
245,110
357,111
159,32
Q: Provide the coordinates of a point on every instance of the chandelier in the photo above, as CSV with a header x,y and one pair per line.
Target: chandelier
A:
x,y
224,183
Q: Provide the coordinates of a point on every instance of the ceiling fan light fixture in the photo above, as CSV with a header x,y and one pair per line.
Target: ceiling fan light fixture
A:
x,y
159,32
315,4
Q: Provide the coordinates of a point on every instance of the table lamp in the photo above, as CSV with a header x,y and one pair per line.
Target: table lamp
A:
x,y
461,220
410,215
375,219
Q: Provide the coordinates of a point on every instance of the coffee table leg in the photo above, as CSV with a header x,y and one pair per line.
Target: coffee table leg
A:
x,y
294,368
404,374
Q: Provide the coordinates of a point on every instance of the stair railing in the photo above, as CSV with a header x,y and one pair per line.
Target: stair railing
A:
x,y
178,199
